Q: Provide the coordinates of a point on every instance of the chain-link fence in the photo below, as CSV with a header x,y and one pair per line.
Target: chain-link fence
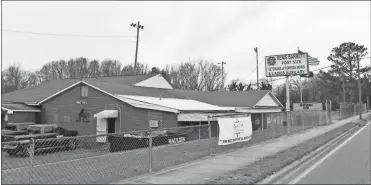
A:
x,y
112,157
351,109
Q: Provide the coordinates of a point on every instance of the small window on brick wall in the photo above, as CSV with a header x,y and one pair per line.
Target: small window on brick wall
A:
x,y
84,91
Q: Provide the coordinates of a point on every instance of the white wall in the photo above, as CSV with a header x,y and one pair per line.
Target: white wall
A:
x,y
157,81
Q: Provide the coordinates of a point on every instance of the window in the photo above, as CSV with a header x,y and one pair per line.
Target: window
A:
x,y
84,91
153,123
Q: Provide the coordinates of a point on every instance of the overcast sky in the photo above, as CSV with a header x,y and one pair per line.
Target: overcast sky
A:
x,y
176,31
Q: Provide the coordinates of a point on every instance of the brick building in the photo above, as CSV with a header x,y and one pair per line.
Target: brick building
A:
x,y
125,103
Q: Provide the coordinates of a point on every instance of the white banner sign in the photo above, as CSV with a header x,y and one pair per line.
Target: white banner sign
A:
x,y
287,64
307,106
233,130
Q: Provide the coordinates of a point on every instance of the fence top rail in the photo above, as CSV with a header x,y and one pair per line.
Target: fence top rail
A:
x,y
227,115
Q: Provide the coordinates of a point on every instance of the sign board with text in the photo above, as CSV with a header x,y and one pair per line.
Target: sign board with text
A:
x,y
81,102
233,130
307,106
286,65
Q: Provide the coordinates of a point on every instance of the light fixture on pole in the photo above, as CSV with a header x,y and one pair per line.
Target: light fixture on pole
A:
x,y
138,26
257,68
222,63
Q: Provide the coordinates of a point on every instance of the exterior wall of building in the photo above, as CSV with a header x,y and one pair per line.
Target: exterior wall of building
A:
x,y
64,110
21,117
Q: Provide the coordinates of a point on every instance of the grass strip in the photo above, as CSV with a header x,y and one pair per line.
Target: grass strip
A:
x,y
262,168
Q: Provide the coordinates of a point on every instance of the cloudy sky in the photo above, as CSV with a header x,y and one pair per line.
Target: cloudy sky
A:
x,y
178,31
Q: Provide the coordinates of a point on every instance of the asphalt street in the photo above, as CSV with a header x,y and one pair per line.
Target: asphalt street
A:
x,y
350,164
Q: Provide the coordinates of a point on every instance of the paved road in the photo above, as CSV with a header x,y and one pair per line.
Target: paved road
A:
x,y
348,165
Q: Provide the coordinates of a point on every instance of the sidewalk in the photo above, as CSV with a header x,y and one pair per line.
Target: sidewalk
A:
x,y
199,172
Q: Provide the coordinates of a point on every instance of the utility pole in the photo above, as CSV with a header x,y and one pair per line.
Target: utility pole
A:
x,y
138,26
257,68
222,72
359,90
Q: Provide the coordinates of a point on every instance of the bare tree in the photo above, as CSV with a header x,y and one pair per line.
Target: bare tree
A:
x,y
72,73
32,79
94,69
141,69
13,78
211,76
81,67
295,82
110,67
185,76
198,75
61,69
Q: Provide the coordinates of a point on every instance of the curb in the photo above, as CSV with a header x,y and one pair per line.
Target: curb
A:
x,y
306,158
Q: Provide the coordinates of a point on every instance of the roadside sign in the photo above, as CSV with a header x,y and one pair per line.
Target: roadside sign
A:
x,y
234,130
286,64
307,106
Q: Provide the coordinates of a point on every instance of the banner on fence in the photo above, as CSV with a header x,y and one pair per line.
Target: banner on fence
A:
x,y
233,130
307,106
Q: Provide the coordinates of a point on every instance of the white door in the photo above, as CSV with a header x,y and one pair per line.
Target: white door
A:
x,y
102,130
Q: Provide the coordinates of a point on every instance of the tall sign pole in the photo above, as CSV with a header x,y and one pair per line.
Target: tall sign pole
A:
x,y
287,93
257,68
300,91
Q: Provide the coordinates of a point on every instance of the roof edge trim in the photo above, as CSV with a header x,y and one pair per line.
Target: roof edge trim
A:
x,y
14,110
57,93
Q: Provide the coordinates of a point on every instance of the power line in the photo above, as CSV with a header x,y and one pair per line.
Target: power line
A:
x,y
67,35
255,69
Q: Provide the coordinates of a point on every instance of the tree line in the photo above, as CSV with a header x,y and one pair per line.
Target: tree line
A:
x,y
338,84
201,75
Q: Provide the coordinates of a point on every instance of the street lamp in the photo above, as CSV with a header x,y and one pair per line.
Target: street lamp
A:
x,y
138,26
222,63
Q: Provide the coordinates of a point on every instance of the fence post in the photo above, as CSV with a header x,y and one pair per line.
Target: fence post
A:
x,y
31,154
288,122
340,111
312,120
199,131
272,125
211,141
355,109
302,120
330,111
327,116
150,150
